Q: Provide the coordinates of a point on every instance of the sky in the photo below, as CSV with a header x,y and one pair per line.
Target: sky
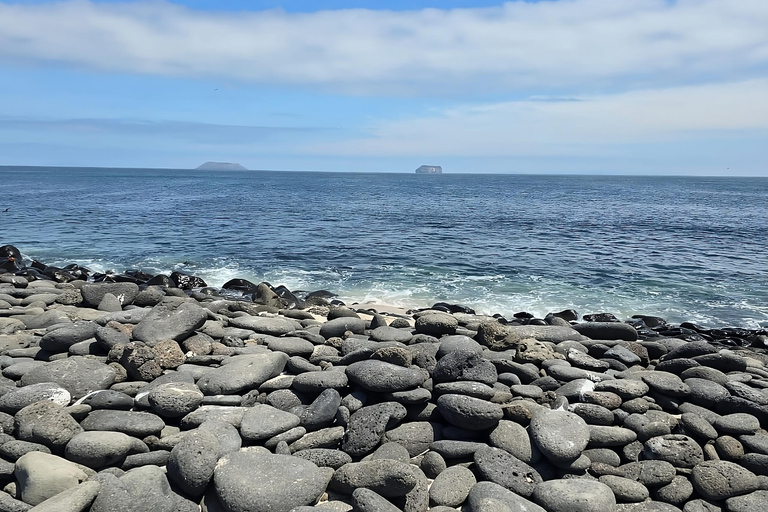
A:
x,y
560,86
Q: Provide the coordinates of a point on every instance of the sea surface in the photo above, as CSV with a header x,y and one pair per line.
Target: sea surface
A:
x,y
684,248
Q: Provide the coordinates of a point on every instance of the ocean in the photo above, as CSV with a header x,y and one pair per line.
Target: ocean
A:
x,y
683,248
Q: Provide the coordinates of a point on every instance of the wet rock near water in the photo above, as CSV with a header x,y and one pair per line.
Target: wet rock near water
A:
x,y
144,393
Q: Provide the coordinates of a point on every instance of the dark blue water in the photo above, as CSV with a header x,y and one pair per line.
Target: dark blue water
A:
x,y
684,248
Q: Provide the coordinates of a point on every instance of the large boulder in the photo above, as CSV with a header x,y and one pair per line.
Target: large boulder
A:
x,y
170,321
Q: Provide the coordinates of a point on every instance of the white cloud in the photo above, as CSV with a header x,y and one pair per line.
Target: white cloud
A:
x,y
587,125
546,45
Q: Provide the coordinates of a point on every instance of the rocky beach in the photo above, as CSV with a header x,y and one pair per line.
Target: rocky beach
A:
x,y
135,392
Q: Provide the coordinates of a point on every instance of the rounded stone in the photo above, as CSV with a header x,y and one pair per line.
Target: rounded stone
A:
x,y
46,423
561,436
175,399
193,460
625,489
383,377
468,412
574,495
132,423
452,486
513,438
679,450
98,449
283,482
40,476
264,421
738,423
16,400
506,470
720,480
387,477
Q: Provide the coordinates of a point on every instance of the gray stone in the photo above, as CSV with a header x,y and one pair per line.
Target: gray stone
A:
x,y
40,476
469,413
263,421
737,424
98,449
137,490
93,294
59,340
241,373
175,399
16,400
324,457
78,375
366,427
606,331
624,489
74,499
382,377
506,470
15,449
338,326
436,323
752,502
679,450
720,480
283,482
651,473
452,486
365,500
627,389
513,438
132,423
603,436
170,321
416,437
318,381
230,414
561,436
324,438
677,492
46,423
491,497
666,383
192,461
386,477
574,495
464,365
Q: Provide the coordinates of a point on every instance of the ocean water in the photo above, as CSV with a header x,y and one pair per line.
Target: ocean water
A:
x,y
684,248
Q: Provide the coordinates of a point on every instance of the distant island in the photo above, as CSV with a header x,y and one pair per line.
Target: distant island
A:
x,y
221,166
429,169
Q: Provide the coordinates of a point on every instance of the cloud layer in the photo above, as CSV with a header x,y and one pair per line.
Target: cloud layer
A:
x,y
518,46
579,125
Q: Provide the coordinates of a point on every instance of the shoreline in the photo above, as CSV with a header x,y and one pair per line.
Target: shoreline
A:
x,y
175,399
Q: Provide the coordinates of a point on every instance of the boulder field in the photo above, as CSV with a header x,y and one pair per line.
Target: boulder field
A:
x,y
118,397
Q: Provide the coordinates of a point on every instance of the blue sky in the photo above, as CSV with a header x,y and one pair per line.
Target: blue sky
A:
x,y
564,86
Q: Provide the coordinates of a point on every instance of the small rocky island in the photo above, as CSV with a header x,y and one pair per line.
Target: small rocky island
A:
x,y
429,169
220,166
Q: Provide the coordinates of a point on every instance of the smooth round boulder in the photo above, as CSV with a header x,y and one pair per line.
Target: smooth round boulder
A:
x,y
281,482
561,436
468,412
192,461
679,450
574,495
491,497
506,470
46,423
720,480
78,375
436,324
133,423
98,449
383,377
387,477
452,486
263,421
175,399
338,326
41,475
17,399
170,321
